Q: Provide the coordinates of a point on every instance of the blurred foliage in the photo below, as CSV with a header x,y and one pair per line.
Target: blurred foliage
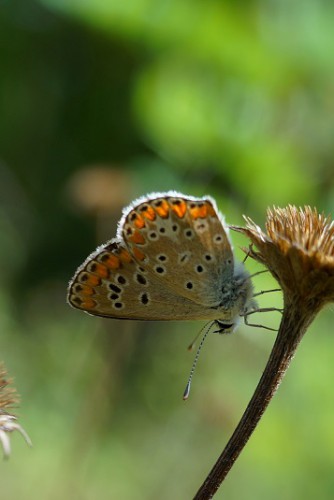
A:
x,y
103,101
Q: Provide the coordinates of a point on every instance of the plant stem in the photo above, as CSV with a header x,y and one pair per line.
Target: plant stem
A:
x,y
295,321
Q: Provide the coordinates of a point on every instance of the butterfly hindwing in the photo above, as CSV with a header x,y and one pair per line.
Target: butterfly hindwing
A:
x,y
111,283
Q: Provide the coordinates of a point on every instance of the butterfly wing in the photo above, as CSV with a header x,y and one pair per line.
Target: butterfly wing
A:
x,y
111,283
181,242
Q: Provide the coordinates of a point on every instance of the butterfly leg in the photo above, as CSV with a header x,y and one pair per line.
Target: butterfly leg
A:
x,y
258,325
266,291
263,309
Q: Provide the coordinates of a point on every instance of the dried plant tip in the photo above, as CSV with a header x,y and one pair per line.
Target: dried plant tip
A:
x,y
8,399
298,249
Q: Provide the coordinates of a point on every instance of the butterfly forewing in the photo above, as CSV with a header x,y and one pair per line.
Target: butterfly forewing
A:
x,y
181,242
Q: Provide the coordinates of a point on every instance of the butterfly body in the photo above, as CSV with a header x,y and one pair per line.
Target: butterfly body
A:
x,y
171,260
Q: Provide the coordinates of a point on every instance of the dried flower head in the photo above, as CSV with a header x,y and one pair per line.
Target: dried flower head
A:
x,y
8,400
298,249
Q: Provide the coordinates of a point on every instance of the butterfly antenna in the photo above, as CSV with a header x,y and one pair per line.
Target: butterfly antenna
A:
x,y
187,389
192,345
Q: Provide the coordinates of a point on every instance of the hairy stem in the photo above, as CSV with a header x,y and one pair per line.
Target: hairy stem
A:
x,y
295,320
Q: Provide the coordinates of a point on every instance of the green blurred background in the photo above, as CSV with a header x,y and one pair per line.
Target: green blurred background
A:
x,y
103,101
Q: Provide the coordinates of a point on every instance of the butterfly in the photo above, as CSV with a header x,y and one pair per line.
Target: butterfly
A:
x,y
171,260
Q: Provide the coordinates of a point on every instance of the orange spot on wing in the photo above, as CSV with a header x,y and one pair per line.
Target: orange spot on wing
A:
x,y
134,219
112,262
163,209
137,238
179,208
85,290
101,270
149,213
125,256
210,210
88,304
90,279
199,212
139,255
139,222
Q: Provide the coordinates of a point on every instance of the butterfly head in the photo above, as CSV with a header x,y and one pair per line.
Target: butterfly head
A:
x,y
237,299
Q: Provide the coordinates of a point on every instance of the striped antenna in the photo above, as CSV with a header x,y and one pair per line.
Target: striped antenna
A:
x,y
192,345
187,389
